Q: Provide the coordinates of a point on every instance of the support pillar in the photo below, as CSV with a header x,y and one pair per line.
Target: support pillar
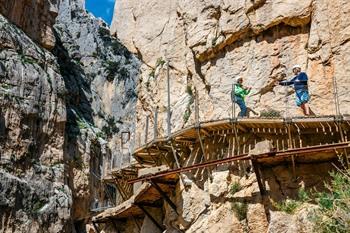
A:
x,y
257,171
174,154
290,146
95,227
166,198
160,227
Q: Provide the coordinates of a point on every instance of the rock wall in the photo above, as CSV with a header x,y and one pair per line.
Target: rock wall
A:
x,y
100,76
33,193
35,18
66,117
209,43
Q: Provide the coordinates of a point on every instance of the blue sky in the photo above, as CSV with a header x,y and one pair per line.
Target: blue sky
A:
x,y
101,8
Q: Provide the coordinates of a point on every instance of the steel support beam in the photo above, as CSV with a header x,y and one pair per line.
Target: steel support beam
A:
x,y
290,146
258,174
281,154
160,227
174,154
95,227
163,194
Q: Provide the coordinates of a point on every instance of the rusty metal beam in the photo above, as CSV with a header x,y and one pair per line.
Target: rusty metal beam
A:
x,y
174,154
160,227
258,174
304,150
290,146
163,194
95,227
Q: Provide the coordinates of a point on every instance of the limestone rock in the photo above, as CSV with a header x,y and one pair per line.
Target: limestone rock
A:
x,y
218,186
221,219
36,18
191,202
209,43
100,75
256,218
298,223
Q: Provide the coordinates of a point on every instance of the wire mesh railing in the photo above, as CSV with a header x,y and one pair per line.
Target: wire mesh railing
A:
x,y
151,127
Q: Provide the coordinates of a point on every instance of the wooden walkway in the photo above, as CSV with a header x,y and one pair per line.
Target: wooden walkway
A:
x,y
156,187
153,151
296,140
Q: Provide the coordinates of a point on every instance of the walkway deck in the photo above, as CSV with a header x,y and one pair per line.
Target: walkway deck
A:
x,y
146,196
149,152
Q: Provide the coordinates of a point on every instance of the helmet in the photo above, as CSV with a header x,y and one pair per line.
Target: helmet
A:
x,y
296,66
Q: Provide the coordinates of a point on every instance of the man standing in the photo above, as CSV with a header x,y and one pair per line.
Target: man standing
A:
x,y
240,93
301,89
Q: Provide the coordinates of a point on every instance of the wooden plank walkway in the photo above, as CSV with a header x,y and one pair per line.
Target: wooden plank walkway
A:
x,y
150,151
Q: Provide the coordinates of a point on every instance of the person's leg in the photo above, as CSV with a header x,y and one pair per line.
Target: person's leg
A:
x,y
242,106
306,109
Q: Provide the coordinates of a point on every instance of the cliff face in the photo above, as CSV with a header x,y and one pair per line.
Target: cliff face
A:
x,y
62,114
33,194
209,43
36,18
100,76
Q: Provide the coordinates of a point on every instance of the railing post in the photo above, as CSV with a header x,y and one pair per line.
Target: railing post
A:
x,y
233,110
146,130
286,103
168,110
155,133
336,97
196,106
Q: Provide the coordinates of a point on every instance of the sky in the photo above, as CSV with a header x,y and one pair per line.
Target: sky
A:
x,y
101,8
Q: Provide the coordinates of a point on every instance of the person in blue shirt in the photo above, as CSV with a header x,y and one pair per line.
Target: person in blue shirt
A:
x,y
302,96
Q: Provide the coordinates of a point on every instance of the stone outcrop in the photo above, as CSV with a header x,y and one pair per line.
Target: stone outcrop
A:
x,y
35,18
209,43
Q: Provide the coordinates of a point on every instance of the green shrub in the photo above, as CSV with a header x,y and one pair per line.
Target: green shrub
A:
x,y
270,113
112,68
152,73
110,127
290,206
160,62
82,124
235,187
333,214
27,60
240,209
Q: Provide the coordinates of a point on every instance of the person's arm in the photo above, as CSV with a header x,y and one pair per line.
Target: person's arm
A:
x,y
287,83
247,91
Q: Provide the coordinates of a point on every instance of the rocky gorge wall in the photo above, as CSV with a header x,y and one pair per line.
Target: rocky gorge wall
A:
x,y
33,192
36,18
63,113
209,43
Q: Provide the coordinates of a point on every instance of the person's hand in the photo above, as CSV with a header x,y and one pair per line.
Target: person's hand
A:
x,y
277,83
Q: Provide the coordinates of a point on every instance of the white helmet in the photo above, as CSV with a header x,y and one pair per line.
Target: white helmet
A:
x,y
296,66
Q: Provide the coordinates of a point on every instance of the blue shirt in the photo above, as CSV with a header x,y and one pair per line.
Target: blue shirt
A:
x,y
299,82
